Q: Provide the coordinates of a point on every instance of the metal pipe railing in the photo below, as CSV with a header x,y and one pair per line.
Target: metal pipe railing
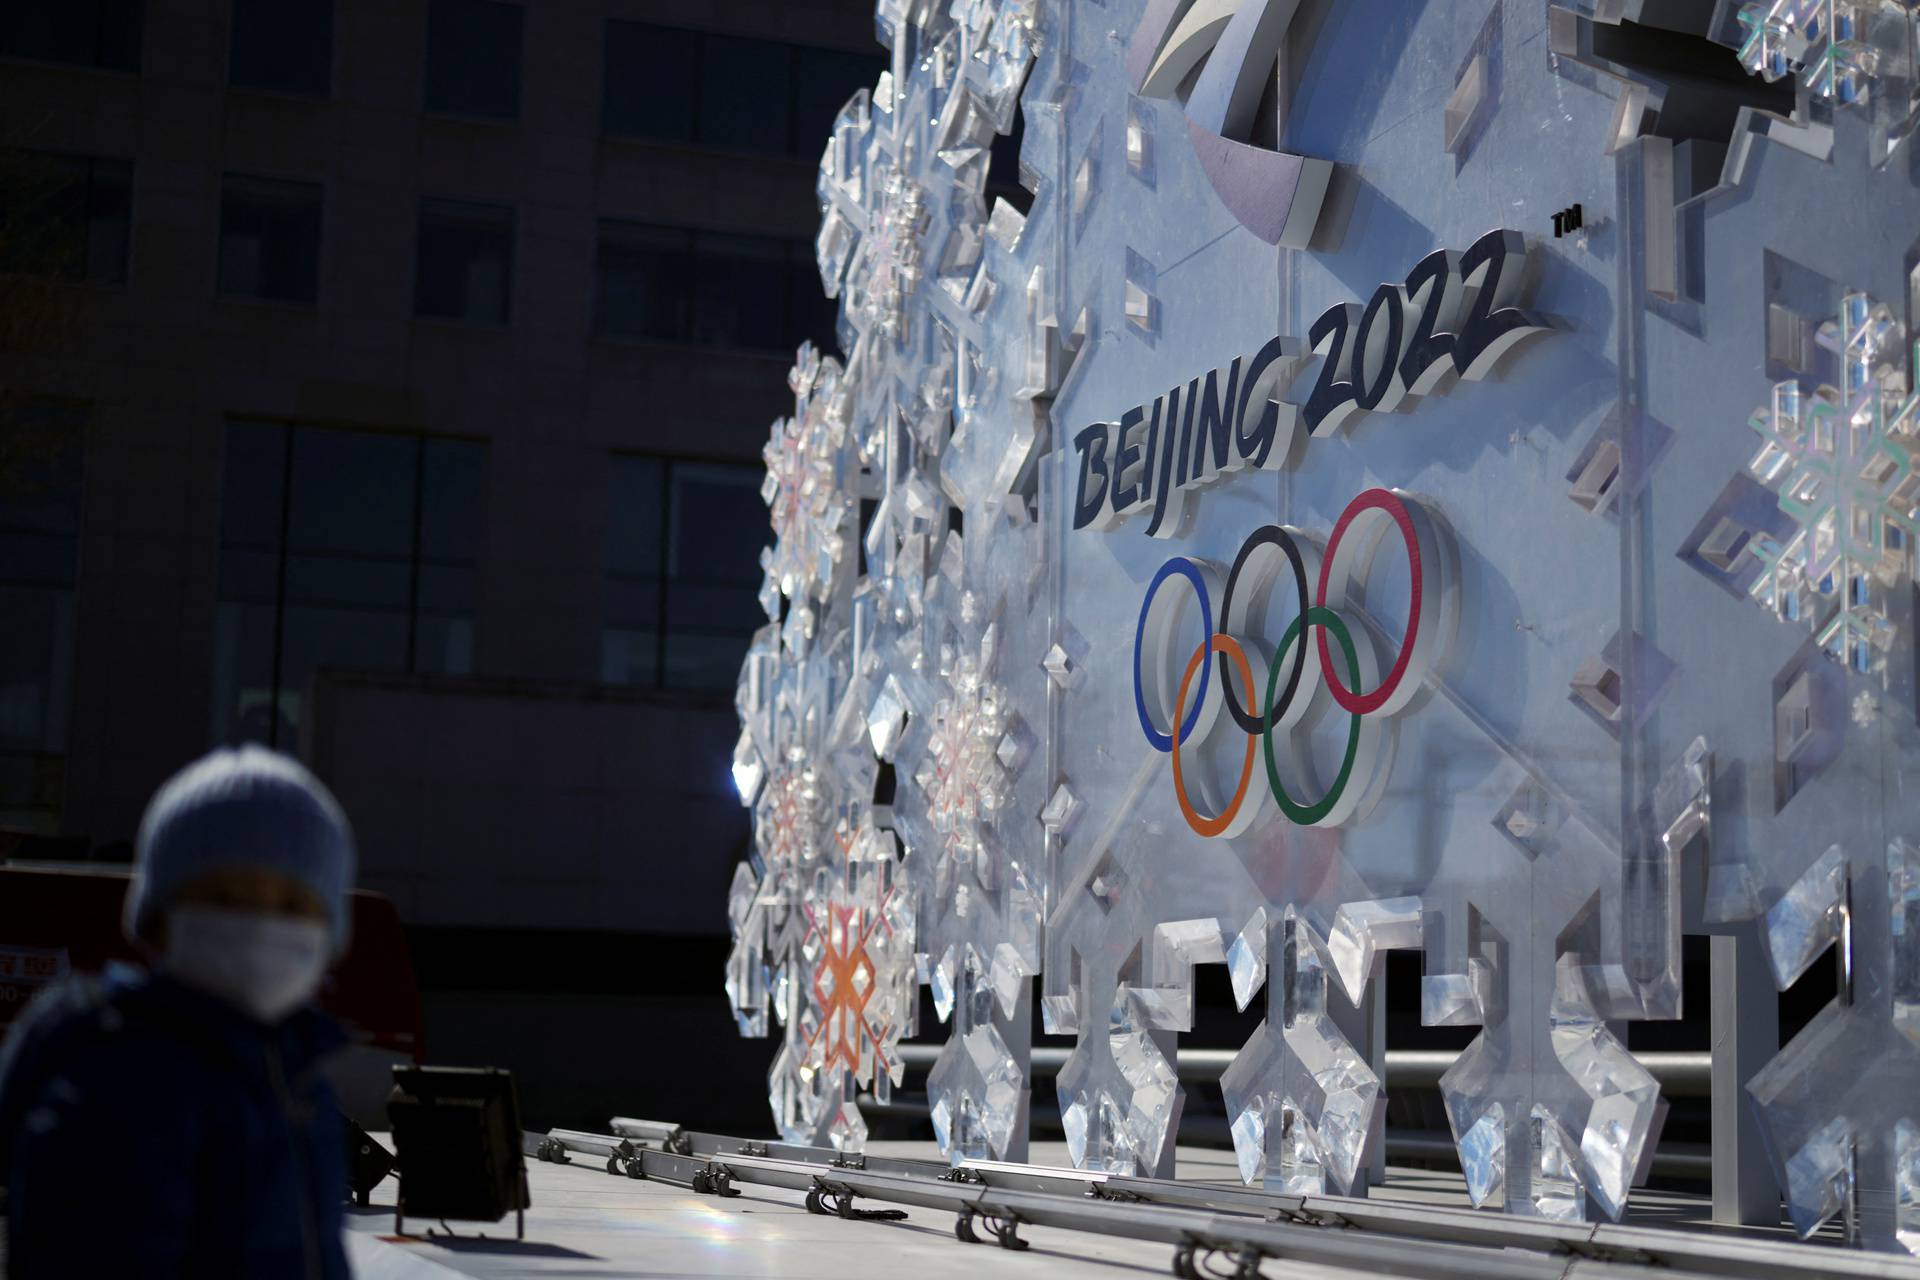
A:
x,y
1680,1075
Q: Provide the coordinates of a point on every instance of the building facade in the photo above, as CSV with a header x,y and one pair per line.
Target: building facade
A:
x,y
383,381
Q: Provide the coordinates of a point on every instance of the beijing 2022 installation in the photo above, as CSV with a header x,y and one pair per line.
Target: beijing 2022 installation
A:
x,y
1436,477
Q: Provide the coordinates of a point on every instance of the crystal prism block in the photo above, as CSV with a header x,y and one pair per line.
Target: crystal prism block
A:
x,y
1808,918
1247,959
1483,1158
1557,1191
1361,928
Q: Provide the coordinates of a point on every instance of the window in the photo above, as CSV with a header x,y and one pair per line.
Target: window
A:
x,y
741,298
340,549
669,284
39,560
652,77
465,265
675,85
67,216
282,44
270,239
473,58
87,33
683,552
746,94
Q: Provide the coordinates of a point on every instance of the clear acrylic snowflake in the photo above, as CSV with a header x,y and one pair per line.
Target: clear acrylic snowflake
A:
x,y
808,487
1841,460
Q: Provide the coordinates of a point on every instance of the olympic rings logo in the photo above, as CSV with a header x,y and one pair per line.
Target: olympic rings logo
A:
x,y
1304,683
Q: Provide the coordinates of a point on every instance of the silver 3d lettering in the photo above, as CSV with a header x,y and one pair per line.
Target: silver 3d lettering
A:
x,y
1455,315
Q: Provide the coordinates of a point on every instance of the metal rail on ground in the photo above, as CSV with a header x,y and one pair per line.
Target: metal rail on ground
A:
x,y
1209,1225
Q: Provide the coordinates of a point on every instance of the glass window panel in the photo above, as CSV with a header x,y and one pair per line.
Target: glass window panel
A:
x,y
443,645
697,604
741,296
349,582
630,656
644,281
270,239
452,495
719,524
650,86
350,639
746,94
252,576
465,268
251,494
633,603
282,44
352,492
473,58
90,33
823,80
66,216
243,673
36,556
811,315
35,655
109,220
447,591
696,661
635,489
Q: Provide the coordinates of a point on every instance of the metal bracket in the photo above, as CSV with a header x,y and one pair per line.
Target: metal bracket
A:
x,y
856,1163
836,1198
716,1179
1119,1195
1003,1228
625,1158
959,1174
1194,1261
752,1149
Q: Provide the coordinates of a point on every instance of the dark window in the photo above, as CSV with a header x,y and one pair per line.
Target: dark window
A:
x,y
91,33
652,75
811,315
674,85
339,549
282,44
749,293
746,94
683,575
741,294
270,239
40,471
65,216
630,636
465,267
473,58
645,281
823,80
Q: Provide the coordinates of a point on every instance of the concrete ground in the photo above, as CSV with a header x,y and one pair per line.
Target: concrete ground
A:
x,y
586,1223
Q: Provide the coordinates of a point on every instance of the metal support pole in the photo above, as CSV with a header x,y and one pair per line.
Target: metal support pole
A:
x,y
1746,1033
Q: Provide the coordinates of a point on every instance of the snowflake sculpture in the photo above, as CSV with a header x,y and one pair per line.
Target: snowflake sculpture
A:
x,y
1820,41
858,946
808,488
1842,461
1829,1126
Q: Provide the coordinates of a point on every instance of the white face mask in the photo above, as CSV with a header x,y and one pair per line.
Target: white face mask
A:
x,y
268,965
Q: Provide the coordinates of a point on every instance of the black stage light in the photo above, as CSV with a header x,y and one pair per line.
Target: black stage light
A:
x,y
456,1136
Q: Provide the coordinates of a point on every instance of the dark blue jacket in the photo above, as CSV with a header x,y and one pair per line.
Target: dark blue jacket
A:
x,y
149,1130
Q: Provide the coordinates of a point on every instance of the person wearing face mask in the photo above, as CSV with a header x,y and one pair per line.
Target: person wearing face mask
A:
x,y
171,1121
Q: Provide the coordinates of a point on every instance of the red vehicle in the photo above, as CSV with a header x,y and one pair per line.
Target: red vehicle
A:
x,y
57,920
